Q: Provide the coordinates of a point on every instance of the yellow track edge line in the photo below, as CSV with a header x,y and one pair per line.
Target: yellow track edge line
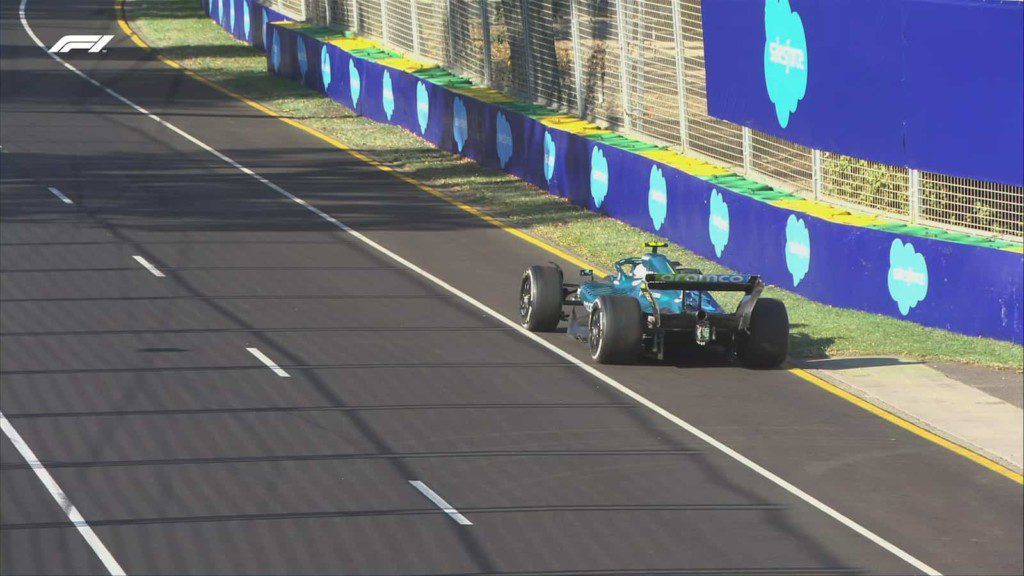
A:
x,y
802,374
909,426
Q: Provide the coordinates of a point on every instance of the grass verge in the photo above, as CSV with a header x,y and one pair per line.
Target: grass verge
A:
x,y
180,30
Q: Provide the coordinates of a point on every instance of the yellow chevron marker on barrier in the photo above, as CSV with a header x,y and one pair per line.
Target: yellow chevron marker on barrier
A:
x,y
571,124
706,171
685,163
356,43
560,119
483,94
404,64
828,212
813,208
851,219
593,131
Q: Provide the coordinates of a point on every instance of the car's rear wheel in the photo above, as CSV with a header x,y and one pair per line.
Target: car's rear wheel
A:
x,y
616,330
767,343
540,298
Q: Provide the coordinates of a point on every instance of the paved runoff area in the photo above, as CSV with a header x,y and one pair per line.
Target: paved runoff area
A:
x,y
974,407
230,348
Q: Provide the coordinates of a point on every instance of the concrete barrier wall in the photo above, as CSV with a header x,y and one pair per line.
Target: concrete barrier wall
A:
x,y
939,279
246,20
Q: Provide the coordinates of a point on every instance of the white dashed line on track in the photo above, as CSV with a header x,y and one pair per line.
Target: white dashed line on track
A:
x,y
145,264
60,195
270,363
441,503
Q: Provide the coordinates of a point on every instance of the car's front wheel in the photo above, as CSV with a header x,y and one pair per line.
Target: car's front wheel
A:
x,y
616,330
540,298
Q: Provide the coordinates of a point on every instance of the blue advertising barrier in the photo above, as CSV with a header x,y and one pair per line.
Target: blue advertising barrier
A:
x,y
973,290
929,84
245,20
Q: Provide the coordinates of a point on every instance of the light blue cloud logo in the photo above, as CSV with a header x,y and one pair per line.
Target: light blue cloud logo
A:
x,y
718,222
231,15
503,140
798,248
550,155
598,176
460,123
275,51
422,106
266,19
387,95
221,15
908,276
246,22
325,67
355,85
300,48
785,58
657,197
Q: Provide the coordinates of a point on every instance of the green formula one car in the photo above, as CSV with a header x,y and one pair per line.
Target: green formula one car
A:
x,y
651,301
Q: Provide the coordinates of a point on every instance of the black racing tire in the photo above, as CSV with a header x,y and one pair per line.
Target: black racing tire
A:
x,y
540,298
616,330
767,343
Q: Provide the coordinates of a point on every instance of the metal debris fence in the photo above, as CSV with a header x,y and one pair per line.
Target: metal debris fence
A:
x,y
637,66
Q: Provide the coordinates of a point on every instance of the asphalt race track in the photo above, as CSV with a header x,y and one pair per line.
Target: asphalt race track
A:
x,y
185,452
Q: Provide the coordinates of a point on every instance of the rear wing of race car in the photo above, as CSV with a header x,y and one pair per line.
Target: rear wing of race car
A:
x,y
705,282
751,286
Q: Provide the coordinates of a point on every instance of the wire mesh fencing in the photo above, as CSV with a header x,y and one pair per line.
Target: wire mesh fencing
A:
x,y
466,38
968,204
294,8
878,187
637,66
510,71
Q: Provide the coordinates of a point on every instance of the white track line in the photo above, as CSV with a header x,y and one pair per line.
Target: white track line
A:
x,y
60,195
441,503
62,499
270,363
145,264
755,467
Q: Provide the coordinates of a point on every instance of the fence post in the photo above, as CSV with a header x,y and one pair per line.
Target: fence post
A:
x,y
485,23
816,174
624,81
356,23
449,58
524,14
384,21
677,33
327,12
914,191
748,152
577,56
415,22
